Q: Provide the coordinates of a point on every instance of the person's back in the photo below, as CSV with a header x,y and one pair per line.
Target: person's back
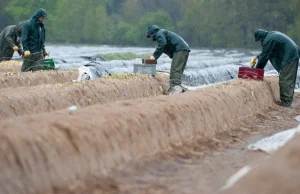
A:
x,y
168,41
10,41
285,49
174,42
277,47
9,28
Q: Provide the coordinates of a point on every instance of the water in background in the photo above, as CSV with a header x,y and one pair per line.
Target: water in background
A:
x,y
204,66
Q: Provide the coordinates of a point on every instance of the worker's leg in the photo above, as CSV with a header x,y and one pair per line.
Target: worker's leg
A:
x,y
33,62
39,62
6,54
177,68
287,81
27,63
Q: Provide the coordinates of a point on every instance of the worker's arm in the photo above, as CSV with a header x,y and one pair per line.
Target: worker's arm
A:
x,y
161,44
8,36
20,51
43,44
265,54
25,34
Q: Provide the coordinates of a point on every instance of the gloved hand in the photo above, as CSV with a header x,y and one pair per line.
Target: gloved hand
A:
x,y
46,54
16,48
152,57
26,53
253,61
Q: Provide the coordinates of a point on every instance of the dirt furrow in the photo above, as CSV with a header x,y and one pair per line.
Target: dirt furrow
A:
x,y
47,98
204,167
46,151
14,80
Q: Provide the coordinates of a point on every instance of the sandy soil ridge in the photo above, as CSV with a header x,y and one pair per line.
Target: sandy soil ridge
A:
x,y
14,80
43,151
47,98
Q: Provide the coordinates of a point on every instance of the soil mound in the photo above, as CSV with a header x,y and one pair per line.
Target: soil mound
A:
x,y
42,152
14,80
10,66
47,98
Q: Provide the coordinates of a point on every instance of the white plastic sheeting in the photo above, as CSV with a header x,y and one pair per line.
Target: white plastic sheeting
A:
x,y
297,118
273,143
204,66
268,145
237,176
90,71
73,108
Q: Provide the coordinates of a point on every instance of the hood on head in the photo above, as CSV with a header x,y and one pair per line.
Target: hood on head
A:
x,y
152,30
18,28
39,13
260,35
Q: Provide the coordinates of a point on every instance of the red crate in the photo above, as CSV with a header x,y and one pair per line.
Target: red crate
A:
x,y
149,61
251,73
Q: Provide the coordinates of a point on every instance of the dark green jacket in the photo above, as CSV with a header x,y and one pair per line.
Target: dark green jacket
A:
x,y
276,47
167,42
34,33
9,39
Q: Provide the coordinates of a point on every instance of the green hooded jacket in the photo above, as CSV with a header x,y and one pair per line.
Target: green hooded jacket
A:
x,y
276,47
8,39
167,42
34,33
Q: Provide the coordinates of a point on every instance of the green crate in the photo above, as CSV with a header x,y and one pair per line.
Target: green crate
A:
x,y
49,64
144,69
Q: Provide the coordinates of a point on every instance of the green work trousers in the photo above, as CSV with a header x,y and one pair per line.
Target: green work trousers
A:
x,y
287,81
34,62
177,67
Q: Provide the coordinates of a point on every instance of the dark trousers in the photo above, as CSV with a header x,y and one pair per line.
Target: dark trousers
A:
x,y
34,62
6,54
287,81
177,67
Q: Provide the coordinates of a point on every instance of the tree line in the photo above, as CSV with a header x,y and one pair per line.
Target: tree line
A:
x,y
202,23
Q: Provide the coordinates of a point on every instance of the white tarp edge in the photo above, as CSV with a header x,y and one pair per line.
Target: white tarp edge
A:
x,y
273,143
237,176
